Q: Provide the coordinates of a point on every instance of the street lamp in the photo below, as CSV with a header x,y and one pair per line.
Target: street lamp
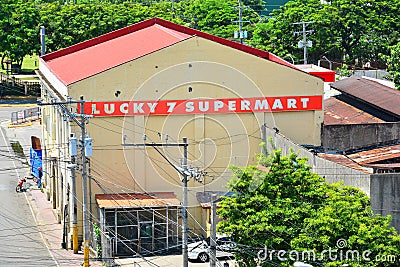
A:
x,y
289,55
330,62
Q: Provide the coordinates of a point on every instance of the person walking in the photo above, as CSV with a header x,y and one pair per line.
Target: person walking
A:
x,y
39,179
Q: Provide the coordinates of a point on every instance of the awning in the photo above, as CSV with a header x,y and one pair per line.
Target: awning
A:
x,y
204,198
139,200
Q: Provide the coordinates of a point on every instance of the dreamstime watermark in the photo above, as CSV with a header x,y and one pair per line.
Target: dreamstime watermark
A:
x,y
331,254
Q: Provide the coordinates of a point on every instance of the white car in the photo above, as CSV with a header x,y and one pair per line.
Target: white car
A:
x,y
201,250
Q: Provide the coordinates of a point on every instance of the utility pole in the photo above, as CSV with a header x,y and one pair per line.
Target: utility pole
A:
x,y
241,34
80,124
184,207
213,234
84,186
240,22
185,173
304,43
42,40
75,211
73,153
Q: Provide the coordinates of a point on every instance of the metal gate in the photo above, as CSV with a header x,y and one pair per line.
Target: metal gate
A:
x,y
145,231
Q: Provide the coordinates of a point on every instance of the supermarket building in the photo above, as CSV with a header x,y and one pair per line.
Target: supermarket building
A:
x,y
157,82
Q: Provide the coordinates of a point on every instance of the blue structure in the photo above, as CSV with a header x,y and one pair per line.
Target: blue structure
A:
x,y
35,157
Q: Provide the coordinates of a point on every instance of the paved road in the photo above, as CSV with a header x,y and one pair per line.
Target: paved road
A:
x,y
21,243
168,261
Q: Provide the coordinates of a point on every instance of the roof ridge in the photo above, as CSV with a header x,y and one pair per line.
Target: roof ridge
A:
x,y
100,39
175,31
172,26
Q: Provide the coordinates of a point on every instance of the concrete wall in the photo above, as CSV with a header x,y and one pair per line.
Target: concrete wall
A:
x,y
376,74
385,196
332,171
354,136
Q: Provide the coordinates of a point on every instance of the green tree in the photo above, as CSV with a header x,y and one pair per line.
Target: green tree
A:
x,y
219,18
393,63
20,31
212,16
5,18
70,24
276,35
353,31
284,206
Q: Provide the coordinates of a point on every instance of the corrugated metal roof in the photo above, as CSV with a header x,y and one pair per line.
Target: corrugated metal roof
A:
x,y
370,91
125,200
366,160
93,56
339,112
385,166
376,155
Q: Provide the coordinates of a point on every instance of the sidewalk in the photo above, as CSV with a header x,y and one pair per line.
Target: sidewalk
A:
x,y
50,230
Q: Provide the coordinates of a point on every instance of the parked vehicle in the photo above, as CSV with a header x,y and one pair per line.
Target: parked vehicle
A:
x,y
20,185
200,251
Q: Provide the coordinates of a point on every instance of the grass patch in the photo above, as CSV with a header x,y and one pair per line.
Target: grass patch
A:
x,y
29,78
30,63
17,148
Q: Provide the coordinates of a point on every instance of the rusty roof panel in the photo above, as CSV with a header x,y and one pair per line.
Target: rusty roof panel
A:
x,y
339,112
370,91
364,160
126,200
376,155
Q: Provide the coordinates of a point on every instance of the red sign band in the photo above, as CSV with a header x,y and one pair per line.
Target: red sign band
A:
x,y
203,106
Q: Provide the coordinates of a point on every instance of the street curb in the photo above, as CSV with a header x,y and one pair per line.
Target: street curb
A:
x,y
19,125
17,105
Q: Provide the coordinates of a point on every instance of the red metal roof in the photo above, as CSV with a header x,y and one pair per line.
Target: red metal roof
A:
x,y
86,59
91,57
326,74
125,200
372,92
339,112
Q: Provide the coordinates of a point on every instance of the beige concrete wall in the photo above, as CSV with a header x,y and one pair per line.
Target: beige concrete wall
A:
x,y
195,68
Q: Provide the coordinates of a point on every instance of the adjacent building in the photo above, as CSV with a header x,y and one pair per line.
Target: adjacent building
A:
x,y
361,131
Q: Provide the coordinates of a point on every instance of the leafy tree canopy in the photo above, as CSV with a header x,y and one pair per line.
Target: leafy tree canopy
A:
x,y
355,32
19,25
393,63
284,206
343,30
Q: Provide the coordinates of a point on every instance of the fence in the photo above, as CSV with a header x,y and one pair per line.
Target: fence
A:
x,y
376,74
24,116
13,86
